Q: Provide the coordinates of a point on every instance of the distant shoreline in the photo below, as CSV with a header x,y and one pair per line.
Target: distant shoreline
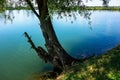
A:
x,y
112,8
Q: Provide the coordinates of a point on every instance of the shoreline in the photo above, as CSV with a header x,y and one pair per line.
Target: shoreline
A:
x,y
105,66
112,8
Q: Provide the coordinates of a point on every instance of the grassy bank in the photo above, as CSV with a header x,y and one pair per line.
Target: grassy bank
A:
x,y
104,67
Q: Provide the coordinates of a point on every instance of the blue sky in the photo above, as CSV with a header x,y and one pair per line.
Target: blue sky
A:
x,y
99,3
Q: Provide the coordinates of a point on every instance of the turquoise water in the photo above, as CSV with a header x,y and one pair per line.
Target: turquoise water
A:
x,y
18,61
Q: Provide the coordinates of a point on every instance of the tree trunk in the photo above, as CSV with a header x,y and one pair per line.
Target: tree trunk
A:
x,y
58,56
55,53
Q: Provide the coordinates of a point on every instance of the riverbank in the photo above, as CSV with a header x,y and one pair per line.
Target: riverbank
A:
x,y
103,67
112,8
75,8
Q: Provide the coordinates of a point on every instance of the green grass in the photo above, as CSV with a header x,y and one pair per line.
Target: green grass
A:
x,y
104,67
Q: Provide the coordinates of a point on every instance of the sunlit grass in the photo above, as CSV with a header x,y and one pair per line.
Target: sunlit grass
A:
x,y
104,67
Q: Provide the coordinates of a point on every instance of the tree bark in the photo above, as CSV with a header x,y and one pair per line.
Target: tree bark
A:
x,y
55,53
59,56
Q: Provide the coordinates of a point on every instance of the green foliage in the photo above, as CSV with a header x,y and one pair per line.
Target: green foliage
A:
x,y
53,4
104,67
2,5
112,8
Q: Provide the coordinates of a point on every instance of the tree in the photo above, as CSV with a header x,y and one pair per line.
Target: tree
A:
x,y
2,5
105,3
55,53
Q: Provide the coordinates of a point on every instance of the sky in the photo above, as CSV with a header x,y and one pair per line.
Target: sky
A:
x,y
99,3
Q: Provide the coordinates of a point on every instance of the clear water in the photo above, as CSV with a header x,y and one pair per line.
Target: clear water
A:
x,y
18,61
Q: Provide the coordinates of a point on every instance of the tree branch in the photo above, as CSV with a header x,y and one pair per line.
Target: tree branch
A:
x,y
40,51
32,8
30,41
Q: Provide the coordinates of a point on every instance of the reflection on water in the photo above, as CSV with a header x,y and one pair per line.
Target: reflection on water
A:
x,y
18,61
82,38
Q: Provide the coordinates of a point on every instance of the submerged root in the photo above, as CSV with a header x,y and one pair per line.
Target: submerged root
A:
x,y
44,76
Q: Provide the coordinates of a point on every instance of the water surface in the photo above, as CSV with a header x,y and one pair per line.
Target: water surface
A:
x,y
18,61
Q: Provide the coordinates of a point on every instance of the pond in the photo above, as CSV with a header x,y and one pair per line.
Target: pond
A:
x,y
79,38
